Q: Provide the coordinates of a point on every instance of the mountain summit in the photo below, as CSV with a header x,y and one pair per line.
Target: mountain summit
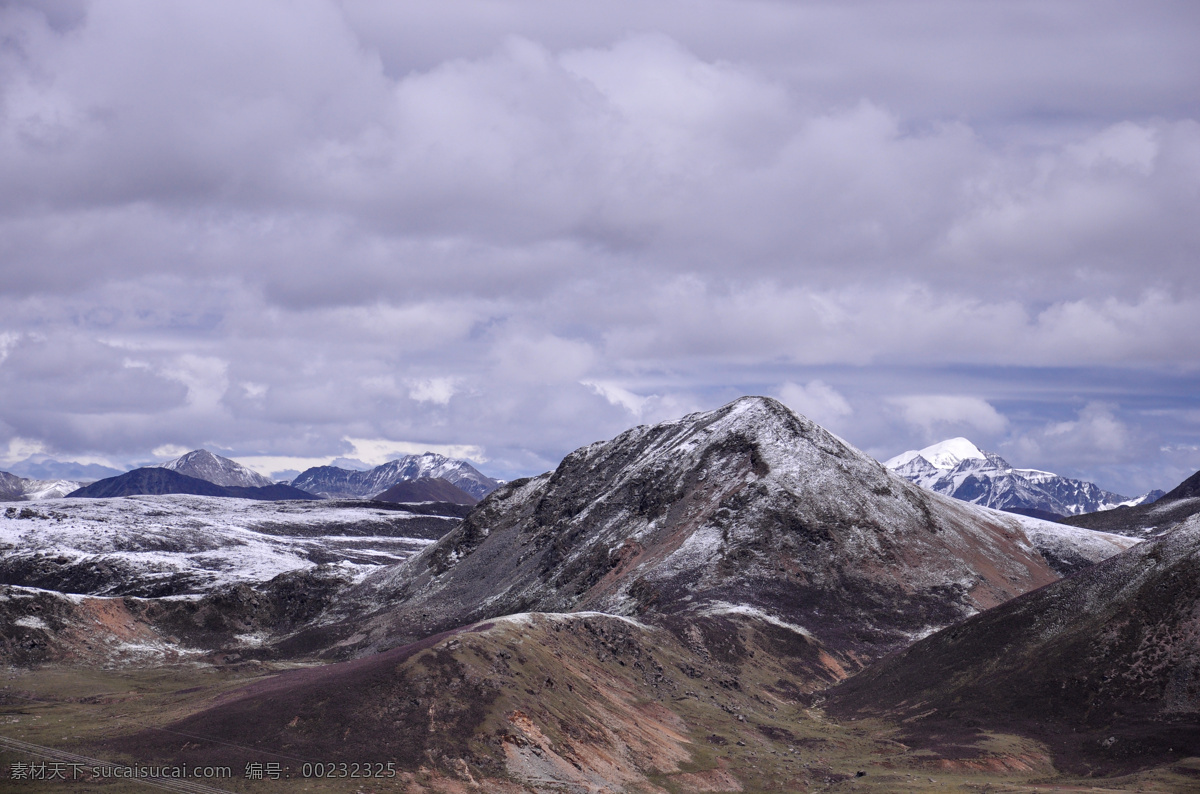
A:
x,y
204,465
958,468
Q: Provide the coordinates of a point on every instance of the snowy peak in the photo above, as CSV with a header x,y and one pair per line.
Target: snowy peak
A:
x,y
942,455
958,468
204,465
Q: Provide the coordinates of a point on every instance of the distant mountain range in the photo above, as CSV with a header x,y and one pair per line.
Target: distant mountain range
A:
x,y
202,473
334,483
958,468
156,481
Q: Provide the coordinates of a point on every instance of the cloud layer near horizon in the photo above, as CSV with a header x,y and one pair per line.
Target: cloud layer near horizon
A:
x,y
273,230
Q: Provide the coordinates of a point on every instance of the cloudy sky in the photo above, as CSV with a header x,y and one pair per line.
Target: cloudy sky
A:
x,y
291,231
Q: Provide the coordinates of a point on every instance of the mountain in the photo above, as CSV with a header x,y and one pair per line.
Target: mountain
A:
x,y
155,480
204,465
958,468
1103,666
745,516
43,467
426,489
21,489
333,483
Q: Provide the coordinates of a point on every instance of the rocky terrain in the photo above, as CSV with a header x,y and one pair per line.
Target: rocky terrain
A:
x,y
1103,666
153,578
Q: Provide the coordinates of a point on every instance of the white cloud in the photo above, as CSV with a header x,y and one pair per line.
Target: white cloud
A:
x,y
21,448
938,415
1097,435
205,377
169,451
818,401
618,395
433,390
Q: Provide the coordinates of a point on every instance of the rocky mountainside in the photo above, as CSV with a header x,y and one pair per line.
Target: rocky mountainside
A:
x,y
204,465
155,481
746,514
1103,665
332,482
427,489
958,468
22,489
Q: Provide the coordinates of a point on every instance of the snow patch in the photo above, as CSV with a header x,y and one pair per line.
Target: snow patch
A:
x,y
725,608
31,622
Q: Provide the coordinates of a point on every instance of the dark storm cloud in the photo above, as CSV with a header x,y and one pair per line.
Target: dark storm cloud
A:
x,y
278,228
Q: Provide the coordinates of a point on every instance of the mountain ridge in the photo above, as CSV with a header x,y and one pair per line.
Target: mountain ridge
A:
x,y
157,481
333,482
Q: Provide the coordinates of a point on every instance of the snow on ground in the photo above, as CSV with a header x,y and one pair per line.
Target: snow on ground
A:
x,y
1061,539
197,542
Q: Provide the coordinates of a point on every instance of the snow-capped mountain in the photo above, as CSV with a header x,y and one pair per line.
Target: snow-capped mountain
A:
x,y
204,465
958,468
332,482
23,489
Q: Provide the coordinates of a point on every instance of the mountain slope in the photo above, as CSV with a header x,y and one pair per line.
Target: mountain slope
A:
x,y
958,468
1105,665
427,489
749,512
204,465
332,482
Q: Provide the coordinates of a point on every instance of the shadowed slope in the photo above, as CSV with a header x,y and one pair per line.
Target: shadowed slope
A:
x,y
427,489
1104,665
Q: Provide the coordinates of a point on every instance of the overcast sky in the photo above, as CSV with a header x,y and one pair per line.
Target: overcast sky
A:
x,y
288,231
